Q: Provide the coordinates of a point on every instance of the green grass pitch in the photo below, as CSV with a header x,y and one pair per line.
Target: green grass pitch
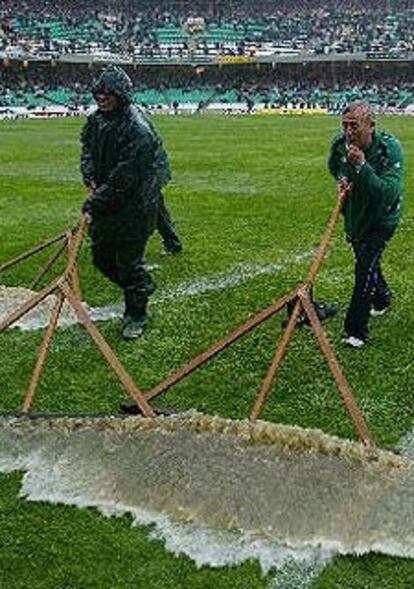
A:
x,y
247,193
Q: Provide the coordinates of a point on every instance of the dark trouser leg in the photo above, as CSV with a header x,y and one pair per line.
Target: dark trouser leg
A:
x,y
123,263
167,229
104,258
136,297
134,278
369,281
381,297
138,286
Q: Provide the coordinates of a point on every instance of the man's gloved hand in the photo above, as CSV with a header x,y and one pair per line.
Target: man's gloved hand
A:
x,y
87,207
101,202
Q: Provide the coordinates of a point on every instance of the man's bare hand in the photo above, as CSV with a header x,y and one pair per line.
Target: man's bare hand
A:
x,y
344,187
355,155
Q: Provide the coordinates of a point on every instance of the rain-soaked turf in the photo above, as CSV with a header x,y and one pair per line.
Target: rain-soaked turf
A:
x,y
251,197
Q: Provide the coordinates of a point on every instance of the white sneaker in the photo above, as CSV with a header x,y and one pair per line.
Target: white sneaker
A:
x,y
353,342
377,312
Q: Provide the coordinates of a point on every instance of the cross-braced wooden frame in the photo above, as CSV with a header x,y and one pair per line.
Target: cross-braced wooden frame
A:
x,y
67,287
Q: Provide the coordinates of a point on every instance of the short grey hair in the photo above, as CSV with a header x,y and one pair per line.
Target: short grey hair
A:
x,y
361,109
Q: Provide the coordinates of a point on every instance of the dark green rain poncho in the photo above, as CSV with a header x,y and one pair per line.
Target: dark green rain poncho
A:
x,y
124,158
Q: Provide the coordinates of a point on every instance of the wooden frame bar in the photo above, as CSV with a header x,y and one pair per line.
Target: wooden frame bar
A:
x,y
43,353
107,352
335,369
47,266
276,361
32,251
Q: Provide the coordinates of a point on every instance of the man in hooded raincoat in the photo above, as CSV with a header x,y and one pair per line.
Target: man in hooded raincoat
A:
x,y
124,167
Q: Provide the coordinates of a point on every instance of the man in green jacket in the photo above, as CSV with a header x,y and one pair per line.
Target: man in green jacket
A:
x,y
368,167
124,167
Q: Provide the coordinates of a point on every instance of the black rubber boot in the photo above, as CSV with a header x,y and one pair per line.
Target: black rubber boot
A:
x,y
325,310
135,315
134,328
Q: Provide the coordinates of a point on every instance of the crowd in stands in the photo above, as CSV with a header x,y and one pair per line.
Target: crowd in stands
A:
x,y
307,85
179,27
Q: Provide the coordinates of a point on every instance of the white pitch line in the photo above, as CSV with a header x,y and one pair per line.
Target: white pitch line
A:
x,y
240,274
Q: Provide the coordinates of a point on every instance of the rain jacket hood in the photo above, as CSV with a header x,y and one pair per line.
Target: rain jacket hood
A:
x,y
115,81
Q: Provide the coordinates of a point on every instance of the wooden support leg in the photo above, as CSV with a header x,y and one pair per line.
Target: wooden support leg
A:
x,y
335,368
107,352
43,353
277,360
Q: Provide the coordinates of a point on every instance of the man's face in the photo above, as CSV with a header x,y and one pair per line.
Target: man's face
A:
x,y
107,102
358,128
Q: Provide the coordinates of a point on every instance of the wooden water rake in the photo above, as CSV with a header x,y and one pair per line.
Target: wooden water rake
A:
x,y
67,287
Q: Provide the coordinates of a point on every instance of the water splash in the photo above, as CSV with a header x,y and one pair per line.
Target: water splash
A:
x,y
220,548
298,574
272,492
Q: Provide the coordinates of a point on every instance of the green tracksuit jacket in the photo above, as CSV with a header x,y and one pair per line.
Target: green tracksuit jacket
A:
x,y
376,198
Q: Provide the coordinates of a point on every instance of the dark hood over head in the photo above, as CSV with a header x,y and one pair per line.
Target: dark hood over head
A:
x,y
114,81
